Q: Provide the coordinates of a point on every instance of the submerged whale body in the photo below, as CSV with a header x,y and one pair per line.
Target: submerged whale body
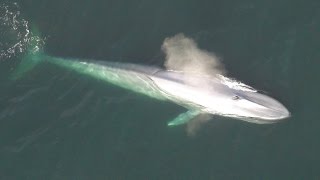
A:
x,y
200,94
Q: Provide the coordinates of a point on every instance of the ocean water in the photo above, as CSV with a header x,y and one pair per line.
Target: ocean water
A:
x,y
57,124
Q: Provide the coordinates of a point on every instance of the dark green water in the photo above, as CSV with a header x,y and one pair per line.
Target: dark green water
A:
x,y
56,124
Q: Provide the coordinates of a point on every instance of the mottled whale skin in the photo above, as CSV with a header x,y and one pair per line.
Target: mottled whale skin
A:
x,y
200,94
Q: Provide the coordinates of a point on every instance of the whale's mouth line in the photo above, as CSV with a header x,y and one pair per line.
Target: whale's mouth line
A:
x,y
255,119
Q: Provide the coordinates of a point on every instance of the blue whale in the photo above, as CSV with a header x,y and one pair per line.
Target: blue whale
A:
x,y
199,94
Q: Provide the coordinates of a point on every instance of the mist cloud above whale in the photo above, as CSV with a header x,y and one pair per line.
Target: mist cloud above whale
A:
x,y
183,54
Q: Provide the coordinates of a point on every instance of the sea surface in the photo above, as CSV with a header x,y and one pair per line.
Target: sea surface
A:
x,y
57,124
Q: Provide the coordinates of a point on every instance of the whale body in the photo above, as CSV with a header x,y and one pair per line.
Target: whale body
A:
x,y
199,94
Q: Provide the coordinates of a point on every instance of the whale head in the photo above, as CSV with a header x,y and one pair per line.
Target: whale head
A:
x,y
256,107
244,102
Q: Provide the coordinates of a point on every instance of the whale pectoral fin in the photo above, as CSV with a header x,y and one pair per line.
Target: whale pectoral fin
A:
x,y
184,117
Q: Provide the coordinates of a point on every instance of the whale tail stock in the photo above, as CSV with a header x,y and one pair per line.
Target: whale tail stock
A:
x,y
32,56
